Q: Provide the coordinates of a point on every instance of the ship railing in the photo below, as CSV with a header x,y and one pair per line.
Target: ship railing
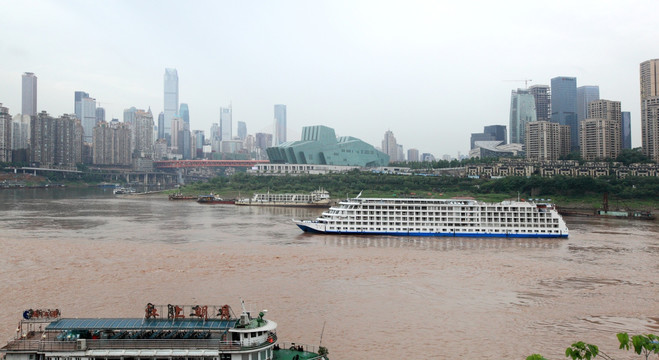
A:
x,y
102,344
236,345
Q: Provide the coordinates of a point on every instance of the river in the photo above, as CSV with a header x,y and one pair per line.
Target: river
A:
x,y
92,254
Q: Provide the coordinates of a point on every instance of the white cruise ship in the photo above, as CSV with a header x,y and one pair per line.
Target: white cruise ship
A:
x,y
438,217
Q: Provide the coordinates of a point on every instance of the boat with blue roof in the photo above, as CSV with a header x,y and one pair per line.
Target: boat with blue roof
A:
x,y
181,332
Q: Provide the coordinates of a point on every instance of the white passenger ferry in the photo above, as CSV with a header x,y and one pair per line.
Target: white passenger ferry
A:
x,y
317,198
438,217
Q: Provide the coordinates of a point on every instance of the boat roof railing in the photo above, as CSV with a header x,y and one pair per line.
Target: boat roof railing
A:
x,y
140,324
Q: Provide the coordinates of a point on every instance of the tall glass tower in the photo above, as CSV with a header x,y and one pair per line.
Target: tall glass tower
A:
x,y
225,124
171,99
184,113
564,106
29,94
522,111
280,124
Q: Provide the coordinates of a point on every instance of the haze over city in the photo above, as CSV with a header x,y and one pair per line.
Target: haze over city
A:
x,y
432,73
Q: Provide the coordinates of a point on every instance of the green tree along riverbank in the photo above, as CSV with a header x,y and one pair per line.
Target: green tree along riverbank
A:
x,y
585,192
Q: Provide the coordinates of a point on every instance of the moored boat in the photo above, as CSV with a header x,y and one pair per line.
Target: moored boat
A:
x,y
317,198
185,332
179,196
438,217
123,190
213,199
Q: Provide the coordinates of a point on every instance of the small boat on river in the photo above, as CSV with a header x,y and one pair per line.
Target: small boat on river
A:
x,y
179,196
214,199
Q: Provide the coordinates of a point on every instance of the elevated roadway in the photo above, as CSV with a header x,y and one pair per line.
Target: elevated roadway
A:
x,y
178,164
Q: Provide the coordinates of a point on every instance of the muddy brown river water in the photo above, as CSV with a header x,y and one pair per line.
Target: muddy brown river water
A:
x,y
92,254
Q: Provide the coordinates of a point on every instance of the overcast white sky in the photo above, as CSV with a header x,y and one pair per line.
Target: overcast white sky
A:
x,y
432,72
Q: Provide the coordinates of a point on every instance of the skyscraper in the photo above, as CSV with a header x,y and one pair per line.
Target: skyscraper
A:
x,y
5,134
564,106
280,124
586,95
77,103
412,155
29,94
225,124
626,130
242,130
184,114
100,114
650,108
522,111
542,97
88,118
389,146
171,99
161,125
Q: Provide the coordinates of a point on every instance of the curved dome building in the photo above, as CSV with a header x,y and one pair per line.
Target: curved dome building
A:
x,y
319,145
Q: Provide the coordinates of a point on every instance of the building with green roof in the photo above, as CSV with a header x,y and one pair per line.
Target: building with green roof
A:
x,y
319,145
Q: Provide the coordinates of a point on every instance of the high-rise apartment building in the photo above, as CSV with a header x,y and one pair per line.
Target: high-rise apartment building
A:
x,y
412,155
112,144
649,79
626,130
171,99
522,111
544,141
225,124
390,146
605,109
56,141
280,124
20,132
542,96
143,134
602,138
564,106
242,130
29,94
5,134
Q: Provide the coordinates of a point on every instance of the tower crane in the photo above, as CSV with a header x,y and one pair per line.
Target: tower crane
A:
x,y
526,82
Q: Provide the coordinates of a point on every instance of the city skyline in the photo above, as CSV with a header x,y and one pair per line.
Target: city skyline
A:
x,y
402,72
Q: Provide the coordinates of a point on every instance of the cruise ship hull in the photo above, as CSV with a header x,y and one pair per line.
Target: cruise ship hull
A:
x,y
316,229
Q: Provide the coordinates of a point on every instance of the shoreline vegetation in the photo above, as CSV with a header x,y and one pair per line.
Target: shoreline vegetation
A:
x,y
637,193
